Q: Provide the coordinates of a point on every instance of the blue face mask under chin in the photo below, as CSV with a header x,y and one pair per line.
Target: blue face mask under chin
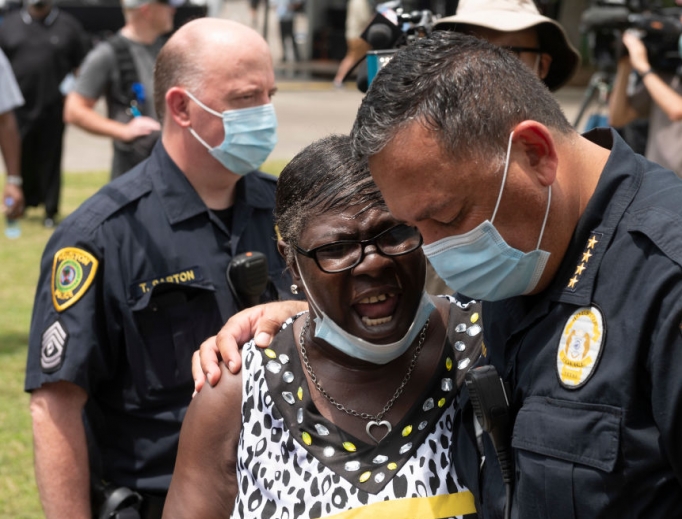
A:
x,y
330,332
481,265
250,136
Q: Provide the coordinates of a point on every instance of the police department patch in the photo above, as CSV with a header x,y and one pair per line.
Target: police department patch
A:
x,y
580,347
72,273
53,347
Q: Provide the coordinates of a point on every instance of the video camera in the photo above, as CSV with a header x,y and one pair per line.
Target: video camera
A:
x,y
659,29
391,28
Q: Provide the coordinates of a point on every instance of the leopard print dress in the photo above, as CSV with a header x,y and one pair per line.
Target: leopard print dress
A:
x,y
293,463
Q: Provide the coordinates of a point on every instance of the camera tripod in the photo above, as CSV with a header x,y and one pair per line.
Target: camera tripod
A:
x,y
596,98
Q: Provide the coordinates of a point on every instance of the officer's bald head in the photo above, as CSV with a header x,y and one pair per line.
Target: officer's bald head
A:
x,y
202,50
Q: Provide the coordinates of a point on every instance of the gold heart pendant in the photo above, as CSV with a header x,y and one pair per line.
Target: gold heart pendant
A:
x,y
375,423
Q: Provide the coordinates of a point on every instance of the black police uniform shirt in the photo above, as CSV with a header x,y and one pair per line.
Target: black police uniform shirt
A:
x,y
594,363
131,284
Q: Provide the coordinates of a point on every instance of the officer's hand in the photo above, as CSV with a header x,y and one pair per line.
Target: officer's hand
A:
x,y
13,201
139,127
261,322
637,51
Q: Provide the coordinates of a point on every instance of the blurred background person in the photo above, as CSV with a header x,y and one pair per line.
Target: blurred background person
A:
x,y
253,11
121,69
43,45
517,25
642,92
10,140
286,13
358,15
214,8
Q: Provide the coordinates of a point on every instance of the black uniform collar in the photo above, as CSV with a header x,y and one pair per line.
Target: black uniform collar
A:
x,y
619,182
179,199
48,20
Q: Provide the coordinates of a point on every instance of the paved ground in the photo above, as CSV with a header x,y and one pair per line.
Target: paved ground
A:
x,y
307,105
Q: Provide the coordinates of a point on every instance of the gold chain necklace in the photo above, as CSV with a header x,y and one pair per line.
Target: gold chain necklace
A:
x,y
372,420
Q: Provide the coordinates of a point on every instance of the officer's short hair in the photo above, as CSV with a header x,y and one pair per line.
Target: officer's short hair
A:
x,y
470,92
175,66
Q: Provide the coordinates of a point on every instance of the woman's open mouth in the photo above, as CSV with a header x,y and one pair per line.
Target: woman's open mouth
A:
x,y
377,309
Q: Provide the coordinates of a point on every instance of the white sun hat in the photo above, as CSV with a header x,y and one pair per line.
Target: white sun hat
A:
x,y
517,15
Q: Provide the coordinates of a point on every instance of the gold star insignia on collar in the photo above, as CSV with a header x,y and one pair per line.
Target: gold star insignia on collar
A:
x,y
584,261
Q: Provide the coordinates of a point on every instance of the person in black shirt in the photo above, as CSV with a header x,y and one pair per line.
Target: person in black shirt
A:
x,y
43,45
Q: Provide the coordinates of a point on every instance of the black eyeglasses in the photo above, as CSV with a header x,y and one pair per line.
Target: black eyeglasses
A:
x,y
519,50
345,254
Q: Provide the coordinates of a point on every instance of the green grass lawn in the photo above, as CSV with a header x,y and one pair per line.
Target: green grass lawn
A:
x,y
19,269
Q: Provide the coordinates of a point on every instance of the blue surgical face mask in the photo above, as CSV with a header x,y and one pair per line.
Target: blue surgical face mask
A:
x,y
250,136
330,332
481,265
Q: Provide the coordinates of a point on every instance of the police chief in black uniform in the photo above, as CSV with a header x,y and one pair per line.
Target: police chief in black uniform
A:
x,y
574,244
134,280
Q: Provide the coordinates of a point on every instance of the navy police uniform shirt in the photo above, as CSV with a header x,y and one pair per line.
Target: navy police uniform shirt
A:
x,y
594,363
131,284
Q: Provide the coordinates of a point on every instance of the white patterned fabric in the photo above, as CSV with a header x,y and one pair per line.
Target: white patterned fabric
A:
x,y
293,463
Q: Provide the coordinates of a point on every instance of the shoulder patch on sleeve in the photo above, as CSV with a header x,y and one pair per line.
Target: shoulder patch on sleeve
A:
x,y
53,347
73,271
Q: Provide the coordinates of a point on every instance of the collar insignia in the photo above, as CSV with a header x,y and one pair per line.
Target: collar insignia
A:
x,y
73,271
584,260
580,347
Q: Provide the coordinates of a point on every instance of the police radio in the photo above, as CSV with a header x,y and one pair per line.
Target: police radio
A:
x,y
247,277
488,397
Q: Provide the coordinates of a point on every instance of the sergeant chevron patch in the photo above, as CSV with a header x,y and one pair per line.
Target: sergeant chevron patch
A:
x,y
53,347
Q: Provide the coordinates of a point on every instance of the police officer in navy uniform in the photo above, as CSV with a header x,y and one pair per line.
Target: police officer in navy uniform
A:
x,y
573,243
135,279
